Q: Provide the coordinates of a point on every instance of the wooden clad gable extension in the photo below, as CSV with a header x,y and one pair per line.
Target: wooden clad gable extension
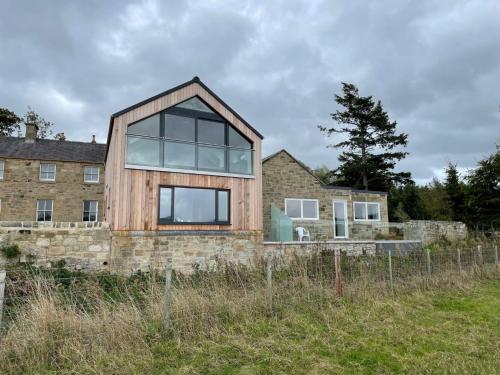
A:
x,y
131,195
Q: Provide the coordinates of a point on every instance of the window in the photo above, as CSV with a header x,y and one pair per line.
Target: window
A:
x,y
180,205
47,172
91,174
89,210
366,211
2,168
302,209
44,209
189,136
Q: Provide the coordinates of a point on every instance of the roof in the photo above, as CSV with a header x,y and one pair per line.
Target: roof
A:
x,y
50,149
324,186
169,91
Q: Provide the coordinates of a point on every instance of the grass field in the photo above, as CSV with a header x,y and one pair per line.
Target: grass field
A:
x,y
433,331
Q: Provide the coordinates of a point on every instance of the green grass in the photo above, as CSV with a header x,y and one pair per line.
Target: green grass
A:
x,y
445,332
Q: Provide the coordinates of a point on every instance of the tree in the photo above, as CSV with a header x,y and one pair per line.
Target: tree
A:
x,y
455,193
9,122
405,203
60,137
44,126
484,193
370,151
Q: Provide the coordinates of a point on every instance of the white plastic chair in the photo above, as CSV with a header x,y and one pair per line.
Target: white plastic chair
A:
x,y
302,233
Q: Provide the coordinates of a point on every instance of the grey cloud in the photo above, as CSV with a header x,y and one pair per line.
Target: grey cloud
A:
x,y
434,64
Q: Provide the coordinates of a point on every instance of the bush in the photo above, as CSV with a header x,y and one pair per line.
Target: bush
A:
x,y
10,251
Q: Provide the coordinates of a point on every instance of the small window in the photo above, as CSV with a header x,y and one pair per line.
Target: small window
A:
x,y
2,168
89,210
47,172
302,209
44,209
369,211
180,205
91,174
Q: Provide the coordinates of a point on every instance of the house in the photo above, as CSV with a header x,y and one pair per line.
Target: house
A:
x,y
328,212
50,180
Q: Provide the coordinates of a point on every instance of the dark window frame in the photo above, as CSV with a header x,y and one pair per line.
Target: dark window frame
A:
x,y
172,205
196,115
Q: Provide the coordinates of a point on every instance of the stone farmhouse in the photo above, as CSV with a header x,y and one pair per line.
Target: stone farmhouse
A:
x,y
182,177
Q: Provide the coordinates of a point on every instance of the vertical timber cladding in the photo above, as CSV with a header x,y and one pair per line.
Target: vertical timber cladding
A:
x,y
132,195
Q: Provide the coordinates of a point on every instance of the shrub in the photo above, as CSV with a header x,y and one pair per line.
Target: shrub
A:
x,y
10,251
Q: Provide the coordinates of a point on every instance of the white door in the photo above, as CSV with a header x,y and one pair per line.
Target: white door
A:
x,y
340,228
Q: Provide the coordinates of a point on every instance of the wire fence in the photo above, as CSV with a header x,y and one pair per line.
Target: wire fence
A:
x,y
223,291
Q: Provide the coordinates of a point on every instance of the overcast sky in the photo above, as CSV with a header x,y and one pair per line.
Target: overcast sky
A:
x,y
435,65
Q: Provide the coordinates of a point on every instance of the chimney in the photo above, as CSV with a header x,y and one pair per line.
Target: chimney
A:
x,y
31,132
93,139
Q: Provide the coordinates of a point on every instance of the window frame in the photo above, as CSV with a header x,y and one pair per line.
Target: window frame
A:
x,y
366,210
96,211
172,205
92,174
2,169
38,210
47,179
302,200
196,115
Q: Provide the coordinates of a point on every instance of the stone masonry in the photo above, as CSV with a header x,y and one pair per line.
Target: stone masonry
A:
x,y
21,187
285,177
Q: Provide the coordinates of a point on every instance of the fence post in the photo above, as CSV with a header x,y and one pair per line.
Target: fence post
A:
x,y
459,262
429,261
480,255
168,292
269,281
496,257
338,274
390,271
2,290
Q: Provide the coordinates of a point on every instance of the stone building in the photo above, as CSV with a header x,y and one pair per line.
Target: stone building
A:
x,y
50,180
328,212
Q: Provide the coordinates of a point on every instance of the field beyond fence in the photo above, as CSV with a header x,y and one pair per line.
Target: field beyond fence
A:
x,y
56,314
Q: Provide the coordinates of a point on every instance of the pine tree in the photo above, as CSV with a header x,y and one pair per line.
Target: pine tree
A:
x,y
371,149
455,193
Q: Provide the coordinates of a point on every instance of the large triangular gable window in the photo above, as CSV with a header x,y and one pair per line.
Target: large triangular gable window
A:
x,y
195,104
189,136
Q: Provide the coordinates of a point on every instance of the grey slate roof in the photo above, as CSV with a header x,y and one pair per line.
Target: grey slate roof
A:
x,y
50,149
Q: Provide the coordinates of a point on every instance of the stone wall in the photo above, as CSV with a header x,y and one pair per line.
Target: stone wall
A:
x,y
430,231
81,245
351,248
21,187
284,177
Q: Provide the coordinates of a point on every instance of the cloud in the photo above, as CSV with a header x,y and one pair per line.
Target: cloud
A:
x,y
434,64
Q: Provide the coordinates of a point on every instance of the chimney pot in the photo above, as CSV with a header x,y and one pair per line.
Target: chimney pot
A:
x,y
31,132
93,139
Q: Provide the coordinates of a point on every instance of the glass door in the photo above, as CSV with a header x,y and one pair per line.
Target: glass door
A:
x,y
340,229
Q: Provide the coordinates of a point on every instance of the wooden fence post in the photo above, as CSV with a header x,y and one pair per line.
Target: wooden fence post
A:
x,y
390,271
2,290
429,261
459,261
480,255
496,258
269,281
338,274
168,293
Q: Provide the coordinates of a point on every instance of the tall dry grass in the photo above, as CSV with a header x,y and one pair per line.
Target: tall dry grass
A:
x,y
79,328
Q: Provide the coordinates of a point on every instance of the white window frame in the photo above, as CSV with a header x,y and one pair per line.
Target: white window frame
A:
x,y
302,200
346,224
48,179
51,212
98,174
96,211
2,169
366,210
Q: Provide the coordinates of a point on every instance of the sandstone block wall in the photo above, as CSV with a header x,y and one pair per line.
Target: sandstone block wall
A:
x,y
21,187
350,248
430,231
283,177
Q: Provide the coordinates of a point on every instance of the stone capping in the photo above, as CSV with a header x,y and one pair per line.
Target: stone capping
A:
x,y
348,242
54,224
